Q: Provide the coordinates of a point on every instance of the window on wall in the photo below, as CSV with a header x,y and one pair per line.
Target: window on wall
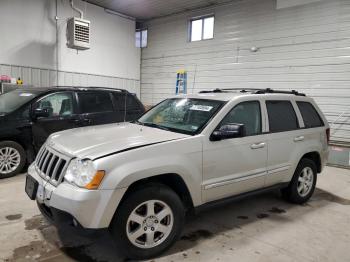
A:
x,y
202,28
141,38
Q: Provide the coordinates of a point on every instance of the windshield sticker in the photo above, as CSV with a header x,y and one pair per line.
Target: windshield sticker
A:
x,y
25,94
201,108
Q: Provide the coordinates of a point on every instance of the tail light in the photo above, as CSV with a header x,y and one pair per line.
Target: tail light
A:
x,y
328,134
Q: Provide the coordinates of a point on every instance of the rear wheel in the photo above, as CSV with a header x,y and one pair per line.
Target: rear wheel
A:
x,y
148,222
12,159
303,183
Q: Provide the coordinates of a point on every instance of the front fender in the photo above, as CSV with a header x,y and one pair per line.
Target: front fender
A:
x,y
181,158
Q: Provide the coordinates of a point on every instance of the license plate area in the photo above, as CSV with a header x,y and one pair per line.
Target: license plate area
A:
x,y
31,187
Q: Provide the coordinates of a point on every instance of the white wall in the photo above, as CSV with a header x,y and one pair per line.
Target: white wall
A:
x,y
28,45
306,47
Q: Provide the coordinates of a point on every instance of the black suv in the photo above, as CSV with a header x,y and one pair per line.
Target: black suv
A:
x,y
28,116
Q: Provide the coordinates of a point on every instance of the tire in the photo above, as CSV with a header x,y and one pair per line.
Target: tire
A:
x,y
133,208
303,183
12,159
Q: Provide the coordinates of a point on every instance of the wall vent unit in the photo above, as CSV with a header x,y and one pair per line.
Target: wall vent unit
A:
x,y
78,33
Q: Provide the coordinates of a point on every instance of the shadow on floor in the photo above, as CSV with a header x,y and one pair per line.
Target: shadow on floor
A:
x,y
64,245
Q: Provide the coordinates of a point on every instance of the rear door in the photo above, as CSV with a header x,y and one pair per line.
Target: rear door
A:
x,y
62,115
283,140
96,108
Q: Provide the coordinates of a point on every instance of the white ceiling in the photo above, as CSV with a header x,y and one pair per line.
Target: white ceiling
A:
x,y
148,9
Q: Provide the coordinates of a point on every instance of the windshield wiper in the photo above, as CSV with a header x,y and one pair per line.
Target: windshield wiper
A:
x,y
137,122
155,125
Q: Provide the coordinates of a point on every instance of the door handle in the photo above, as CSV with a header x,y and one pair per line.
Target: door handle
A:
x,y
298,138
74,120
86,121
257,145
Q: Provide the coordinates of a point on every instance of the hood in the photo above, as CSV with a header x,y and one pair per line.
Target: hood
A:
x,y
97,141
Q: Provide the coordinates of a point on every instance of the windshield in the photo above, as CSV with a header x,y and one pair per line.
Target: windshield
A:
x,y
13,100
182,115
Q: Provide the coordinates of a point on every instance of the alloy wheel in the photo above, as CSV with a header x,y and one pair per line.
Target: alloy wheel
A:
x,y
305,181
149,224
10,159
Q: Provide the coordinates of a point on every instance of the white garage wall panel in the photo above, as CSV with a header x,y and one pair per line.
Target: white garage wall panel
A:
x,y
305,47
30,49
40,77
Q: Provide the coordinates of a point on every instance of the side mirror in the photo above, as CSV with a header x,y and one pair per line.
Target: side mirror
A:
x,y
41,112
228,131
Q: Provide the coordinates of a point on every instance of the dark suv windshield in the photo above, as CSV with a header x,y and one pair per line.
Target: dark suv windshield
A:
x,y
183,115
15,99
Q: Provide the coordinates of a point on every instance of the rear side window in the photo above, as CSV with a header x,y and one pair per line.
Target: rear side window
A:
x,y
282,116
310,116
120,100
131,101
95,102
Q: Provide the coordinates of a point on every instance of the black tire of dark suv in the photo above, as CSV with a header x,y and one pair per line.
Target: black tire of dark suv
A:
x,y
133,203
12,156
305,177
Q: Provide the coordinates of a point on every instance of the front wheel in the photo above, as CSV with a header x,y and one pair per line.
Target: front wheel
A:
x,y
148,222
12,159
303,182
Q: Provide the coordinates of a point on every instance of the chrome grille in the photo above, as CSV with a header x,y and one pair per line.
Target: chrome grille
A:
x,y
51,164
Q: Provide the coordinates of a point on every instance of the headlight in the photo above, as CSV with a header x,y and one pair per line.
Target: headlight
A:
x,y
83,173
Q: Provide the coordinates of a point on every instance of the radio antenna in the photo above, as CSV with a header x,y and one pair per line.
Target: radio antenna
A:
x,y
126,93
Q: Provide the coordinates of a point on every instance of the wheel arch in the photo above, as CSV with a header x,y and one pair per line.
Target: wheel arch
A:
x,y
315,157
172,180
28,148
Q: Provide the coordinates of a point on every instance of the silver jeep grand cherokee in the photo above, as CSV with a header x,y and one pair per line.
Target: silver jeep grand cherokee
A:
x,y
139,179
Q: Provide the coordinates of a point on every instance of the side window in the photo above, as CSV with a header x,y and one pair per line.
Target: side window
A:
x,y
282,116
247,113
131,103
119,99
310,116
59,104
95,102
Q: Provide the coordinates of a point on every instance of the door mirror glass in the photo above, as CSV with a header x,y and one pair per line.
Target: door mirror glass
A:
x,y
228,131
41,112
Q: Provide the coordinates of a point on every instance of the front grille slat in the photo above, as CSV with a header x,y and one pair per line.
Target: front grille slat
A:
x,y
46,162
42,160
51,165
55,173
61,167
40,153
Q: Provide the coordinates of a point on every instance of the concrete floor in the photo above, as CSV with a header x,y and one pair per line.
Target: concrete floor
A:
x,y
261,228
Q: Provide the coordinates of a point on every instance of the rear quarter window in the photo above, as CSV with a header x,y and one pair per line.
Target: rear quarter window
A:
x,y
310,115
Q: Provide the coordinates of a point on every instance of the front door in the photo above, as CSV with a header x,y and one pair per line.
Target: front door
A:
x,y
236,165
62,116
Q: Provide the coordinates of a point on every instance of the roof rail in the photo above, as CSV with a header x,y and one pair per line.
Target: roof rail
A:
x,y
253,91
271,91
92,87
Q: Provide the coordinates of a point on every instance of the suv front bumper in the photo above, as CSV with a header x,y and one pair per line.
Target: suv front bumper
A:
x,y
90,209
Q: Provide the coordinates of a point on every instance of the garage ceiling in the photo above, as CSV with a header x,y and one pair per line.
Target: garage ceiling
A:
x,y
148,9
